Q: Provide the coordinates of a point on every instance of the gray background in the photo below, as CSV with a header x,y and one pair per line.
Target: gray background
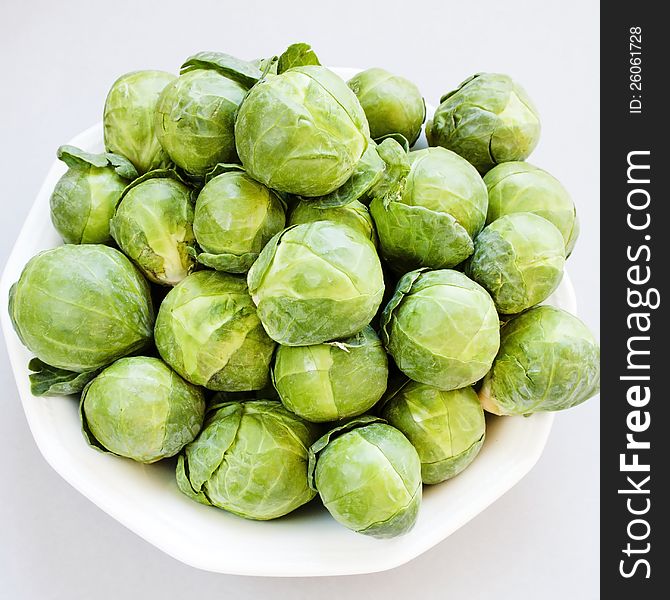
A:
x,y
541,539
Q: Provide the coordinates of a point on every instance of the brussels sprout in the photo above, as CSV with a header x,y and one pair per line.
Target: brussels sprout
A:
x,y
195,119
208,331
250,459
235,217
488,120
520,187
391,103
441,328
301,132
332,381
85,197
128,118
153,225
316,282
441,209
548,360
80,308
447,428
141,409
354,214
368,476
519,260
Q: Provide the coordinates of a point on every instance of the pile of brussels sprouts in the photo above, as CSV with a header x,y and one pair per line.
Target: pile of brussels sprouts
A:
x,y
261,278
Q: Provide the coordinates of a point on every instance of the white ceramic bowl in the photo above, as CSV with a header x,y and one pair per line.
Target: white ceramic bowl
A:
x,y
308,542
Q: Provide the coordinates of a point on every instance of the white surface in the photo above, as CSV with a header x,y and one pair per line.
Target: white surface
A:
x,y
543,533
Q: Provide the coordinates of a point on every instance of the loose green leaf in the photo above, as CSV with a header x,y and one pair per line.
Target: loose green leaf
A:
x,y
267,65
297,55
75,157
369,171
398,137
46,380
242,71
392,182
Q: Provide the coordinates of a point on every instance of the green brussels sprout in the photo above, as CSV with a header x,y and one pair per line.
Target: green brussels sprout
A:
x,y
235,217
519,259
153,225
488,120
315,283
332,381
447,428
86,196
354,214
128,118
208,331
440,211
139,408
441,328
301,132
391,103
80,308
249,459
368,477
520,187
548,360
195,120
